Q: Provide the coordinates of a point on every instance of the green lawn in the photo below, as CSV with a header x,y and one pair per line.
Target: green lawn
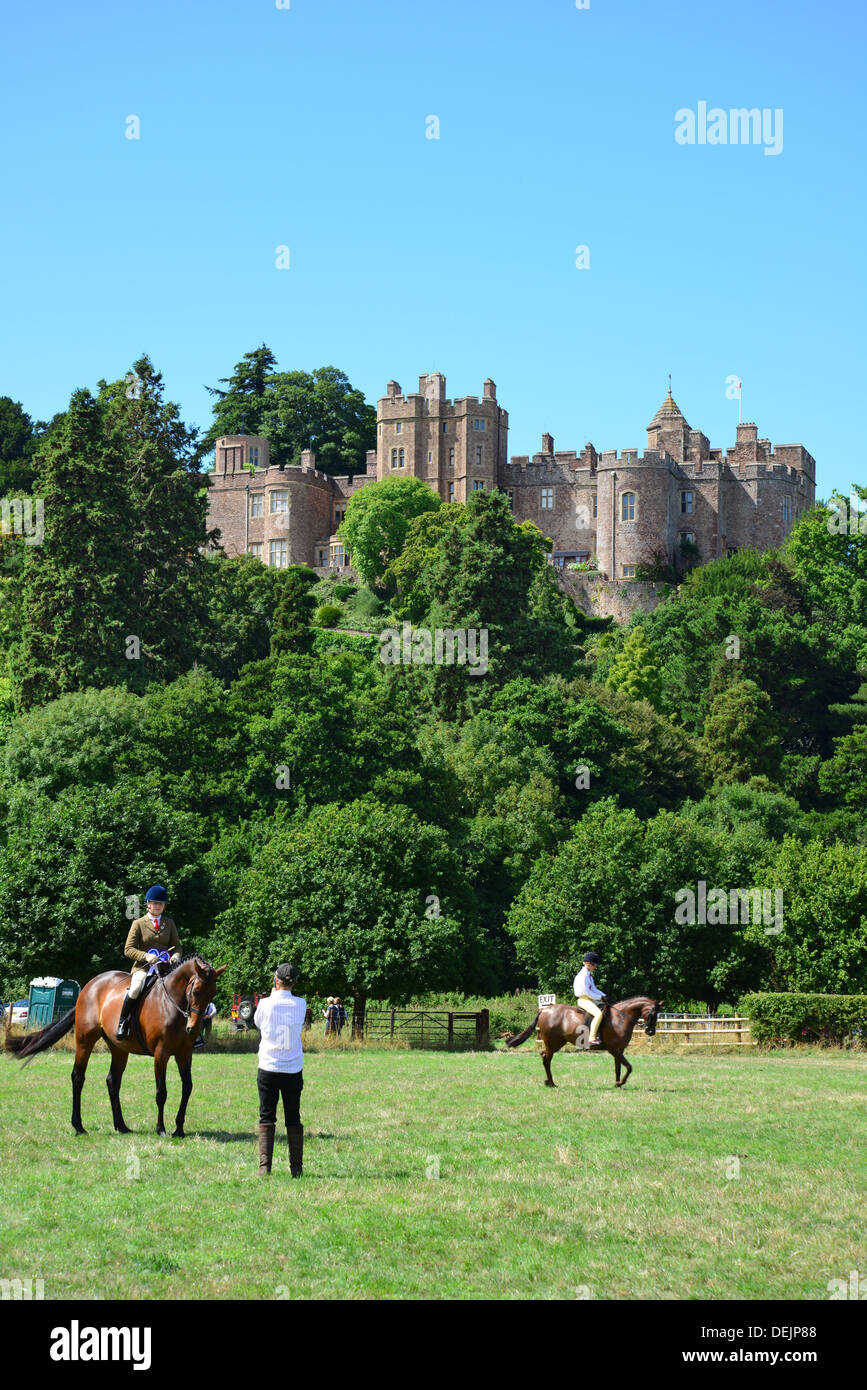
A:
x,y
541,1193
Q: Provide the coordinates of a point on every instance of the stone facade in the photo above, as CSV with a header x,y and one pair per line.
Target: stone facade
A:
x,y
624,509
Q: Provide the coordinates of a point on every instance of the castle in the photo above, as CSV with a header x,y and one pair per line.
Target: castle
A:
x,y
620,511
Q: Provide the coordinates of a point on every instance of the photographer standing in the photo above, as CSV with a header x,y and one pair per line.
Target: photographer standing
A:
x,y
280,1019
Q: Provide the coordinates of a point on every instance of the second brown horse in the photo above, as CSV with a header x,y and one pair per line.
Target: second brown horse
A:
x,y
170,1016
560,1024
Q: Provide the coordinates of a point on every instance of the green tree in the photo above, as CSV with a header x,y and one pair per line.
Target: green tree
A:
x,y
74,741
741,734
634,670
17,439
70,864
377,521
292,620
78,587
366,900
318,410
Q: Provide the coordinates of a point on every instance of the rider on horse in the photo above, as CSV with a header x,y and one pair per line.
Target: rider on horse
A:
x,y
147,937
587,994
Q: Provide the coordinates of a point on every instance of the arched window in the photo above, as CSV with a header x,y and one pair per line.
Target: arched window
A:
x,y
627,506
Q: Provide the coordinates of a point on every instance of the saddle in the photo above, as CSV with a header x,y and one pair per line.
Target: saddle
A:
x,y
157,969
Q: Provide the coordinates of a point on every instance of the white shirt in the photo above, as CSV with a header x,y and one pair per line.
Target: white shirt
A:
x,y
584,985
280,1019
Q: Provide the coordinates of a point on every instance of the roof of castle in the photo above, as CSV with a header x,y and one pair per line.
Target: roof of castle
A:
x,y
668,413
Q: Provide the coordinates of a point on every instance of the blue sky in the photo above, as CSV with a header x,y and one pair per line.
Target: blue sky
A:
x,y
305,127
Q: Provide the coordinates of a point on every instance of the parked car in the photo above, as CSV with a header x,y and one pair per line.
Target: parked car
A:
x,y
243,1008
20,1010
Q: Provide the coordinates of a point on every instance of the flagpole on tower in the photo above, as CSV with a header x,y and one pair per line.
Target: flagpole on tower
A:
x,y
740,398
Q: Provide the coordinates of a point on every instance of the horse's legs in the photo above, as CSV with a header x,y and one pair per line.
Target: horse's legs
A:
x,y
83,1049
546,1058
160,1063
115,1076
185,1067
618,1058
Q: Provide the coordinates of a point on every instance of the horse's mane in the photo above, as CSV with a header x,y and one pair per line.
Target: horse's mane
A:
x,y
185,960
635,999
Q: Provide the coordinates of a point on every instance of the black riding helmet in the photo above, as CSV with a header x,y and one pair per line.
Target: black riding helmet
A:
x,y
592,957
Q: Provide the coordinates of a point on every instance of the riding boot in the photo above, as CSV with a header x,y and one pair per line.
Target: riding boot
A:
x,y
123,1021
266,1149
295,1135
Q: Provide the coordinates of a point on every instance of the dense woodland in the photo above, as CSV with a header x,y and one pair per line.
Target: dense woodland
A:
x,y
171,715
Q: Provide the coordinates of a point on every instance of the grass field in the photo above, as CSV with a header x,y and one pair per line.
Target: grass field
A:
x,y
583,1191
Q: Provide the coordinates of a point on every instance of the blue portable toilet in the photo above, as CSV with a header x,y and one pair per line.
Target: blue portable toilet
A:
x,y
50,998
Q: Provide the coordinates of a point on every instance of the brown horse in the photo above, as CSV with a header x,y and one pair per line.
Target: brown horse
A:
x,y
169,1017
560,1023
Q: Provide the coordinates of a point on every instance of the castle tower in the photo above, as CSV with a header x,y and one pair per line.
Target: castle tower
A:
x,y
668,431
237,451
458,447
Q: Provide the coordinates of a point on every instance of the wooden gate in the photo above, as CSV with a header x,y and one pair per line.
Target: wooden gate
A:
x,y
430,1027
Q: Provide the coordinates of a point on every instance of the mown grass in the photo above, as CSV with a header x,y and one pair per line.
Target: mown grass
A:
x,y
541,1193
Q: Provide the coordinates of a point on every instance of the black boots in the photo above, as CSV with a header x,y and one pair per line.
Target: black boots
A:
x,y
123,1021
266,1149
295,1135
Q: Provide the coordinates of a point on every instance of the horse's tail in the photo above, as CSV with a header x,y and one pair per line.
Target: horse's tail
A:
x,y
30,1044
522,1037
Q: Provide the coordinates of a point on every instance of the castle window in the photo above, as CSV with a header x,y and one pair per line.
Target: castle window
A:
x,y
687,537
510,493
397,458
255,549
627,507
321,558
451,458
787,509
595,504
686,502
547,499
451,492
338,555
628,571
478,424
257,504
277,554
430,455
478,485
445,426
398,429
478,453
279,502
253,454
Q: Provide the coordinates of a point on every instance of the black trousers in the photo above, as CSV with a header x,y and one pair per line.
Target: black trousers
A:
x,y
274,1084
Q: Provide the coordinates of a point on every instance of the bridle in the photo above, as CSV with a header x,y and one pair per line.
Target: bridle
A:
x,y
189,1010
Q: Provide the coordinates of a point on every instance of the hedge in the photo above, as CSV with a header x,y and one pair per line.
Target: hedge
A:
x,y
806,1017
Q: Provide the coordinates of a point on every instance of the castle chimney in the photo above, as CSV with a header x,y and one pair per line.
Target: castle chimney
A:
x,y
393,388
747,433
489,390
547,444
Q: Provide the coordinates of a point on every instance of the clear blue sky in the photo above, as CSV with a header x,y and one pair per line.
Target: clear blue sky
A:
x,y
306,127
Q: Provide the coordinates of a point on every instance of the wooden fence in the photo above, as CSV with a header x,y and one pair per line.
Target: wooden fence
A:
x,y
704,1030
430,1027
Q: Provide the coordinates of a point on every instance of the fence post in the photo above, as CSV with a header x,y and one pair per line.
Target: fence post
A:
x,y
451,1033
483,1028
391,1032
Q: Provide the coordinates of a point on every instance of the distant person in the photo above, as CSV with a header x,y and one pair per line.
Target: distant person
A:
x,y
280,1019
588,994
328,1014
341,1015
147,936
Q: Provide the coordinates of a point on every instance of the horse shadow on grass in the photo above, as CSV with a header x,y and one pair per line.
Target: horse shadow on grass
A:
x,y
225,1136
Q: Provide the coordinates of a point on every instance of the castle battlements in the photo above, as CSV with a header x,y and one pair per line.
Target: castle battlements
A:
x,y
626,507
